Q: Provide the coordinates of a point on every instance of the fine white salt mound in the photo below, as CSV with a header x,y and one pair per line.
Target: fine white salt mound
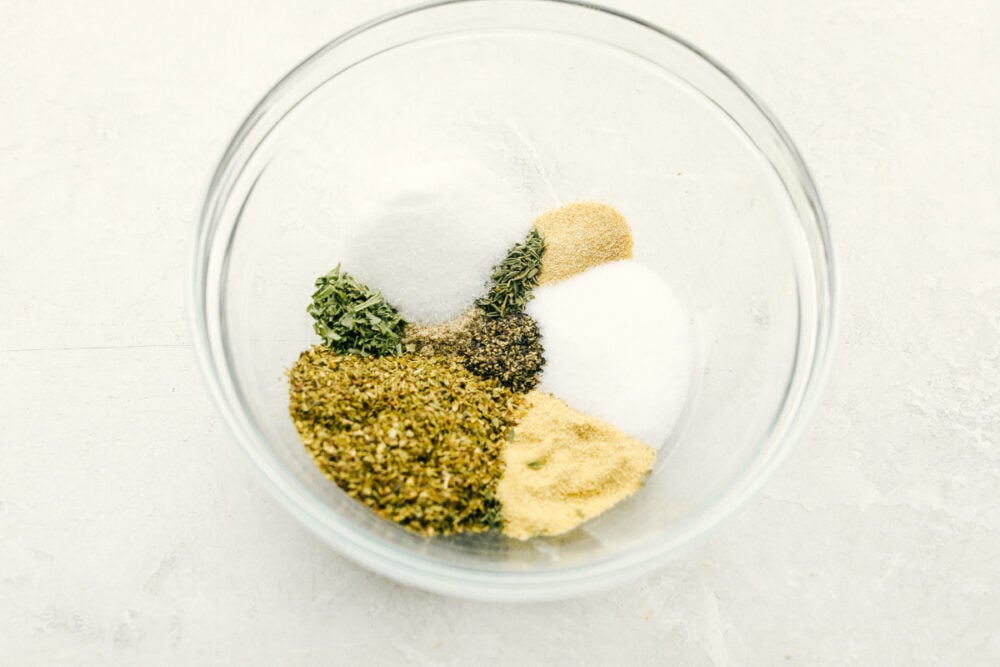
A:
x,y
617,346
432,235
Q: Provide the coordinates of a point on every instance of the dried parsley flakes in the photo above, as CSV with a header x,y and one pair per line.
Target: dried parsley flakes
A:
x,y
417,439
351,318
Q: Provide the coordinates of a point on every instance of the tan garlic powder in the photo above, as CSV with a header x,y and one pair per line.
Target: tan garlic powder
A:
x,y
563,467
579,236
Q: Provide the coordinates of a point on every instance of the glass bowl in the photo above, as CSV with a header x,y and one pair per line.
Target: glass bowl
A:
x,y
568,101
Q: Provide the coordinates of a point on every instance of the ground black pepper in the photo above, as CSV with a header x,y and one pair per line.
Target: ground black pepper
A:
x,y
507,348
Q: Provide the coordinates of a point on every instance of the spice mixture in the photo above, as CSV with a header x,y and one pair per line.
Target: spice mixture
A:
x,y
579,236
417,439
458,420
563,467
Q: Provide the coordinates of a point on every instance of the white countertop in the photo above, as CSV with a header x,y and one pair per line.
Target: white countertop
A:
x,y
878,542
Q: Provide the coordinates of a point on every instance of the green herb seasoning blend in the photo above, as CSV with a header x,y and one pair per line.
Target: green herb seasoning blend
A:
x,y
417,439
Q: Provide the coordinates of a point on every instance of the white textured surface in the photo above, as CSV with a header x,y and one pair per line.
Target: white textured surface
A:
x,y
131,532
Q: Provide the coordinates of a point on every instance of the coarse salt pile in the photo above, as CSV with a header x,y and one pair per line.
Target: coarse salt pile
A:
x,y
617,346
433,236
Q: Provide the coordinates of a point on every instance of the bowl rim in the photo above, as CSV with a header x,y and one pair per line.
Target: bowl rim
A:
x,y
464,581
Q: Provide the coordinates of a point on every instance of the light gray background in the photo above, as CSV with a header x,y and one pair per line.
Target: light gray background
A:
x,y
131,532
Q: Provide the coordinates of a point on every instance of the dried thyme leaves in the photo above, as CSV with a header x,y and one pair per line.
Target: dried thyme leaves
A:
x,y
514,278
508,349
353,319
417,439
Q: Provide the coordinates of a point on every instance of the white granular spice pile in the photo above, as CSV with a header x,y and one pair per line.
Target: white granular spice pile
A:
x,y
432,235
617,346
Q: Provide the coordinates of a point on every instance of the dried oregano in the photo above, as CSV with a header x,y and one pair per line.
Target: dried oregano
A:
x,y
514,278
417,439
351,318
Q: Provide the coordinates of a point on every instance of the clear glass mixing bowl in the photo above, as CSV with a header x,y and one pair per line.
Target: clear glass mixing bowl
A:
x,y
570,102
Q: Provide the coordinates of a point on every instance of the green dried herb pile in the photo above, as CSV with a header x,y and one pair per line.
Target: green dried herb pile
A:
x,y
514,278
351,318
417,439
